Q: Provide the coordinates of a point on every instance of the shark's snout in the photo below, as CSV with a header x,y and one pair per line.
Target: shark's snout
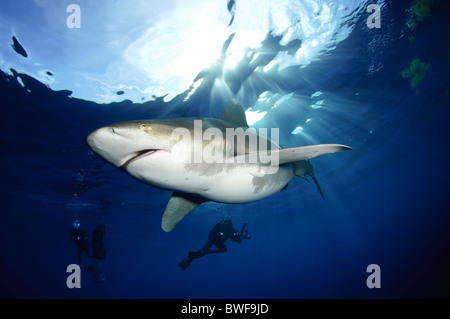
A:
x,y
101,141
119,144
96,137
90,140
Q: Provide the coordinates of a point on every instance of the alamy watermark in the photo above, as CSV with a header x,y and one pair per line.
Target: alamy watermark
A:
x,y
373,20
74,19
238,146
74,279
374,279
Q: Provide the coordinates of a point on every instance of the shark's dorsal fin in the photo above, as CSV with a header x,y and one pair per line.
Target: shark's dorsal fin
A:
x,y
177,208
234,113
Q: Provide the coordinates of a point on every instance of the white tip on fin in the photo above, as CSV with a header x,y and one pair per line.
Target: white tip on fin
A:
x,y
295,154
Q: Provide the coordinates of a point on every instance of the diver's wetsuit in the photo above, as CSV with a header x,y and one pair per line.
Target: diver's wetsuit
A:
x,y
217,237
97,242
80,237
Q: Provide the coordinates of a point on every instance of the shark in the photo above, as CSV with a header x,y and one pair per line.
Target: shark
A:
x,y
199,160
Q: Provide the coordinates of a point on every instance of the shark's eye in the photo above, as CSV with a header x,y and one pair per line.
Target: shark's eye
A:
x,y
144,127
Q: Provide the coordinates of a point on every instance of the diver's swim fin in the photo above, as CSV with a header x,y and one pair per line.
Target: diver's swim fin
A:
x,y
185,263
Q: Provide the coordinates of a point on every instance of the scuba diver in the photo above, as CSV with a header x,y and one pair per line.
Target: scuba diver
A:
x,y
217,237
98,248
98,253
79,237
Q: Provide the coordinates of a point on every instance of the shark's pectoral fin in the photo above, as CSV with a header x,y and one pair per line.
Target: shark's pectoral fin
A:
x,y
290,155
177,208
294,154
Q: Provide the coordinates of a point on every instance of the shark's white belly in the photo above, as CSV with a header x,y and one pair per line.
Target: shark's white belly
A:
x,y
226,183
243,183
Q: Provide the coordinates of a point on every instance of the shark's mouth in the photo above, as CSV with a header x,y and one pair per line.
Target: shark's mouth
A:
x,y
136,156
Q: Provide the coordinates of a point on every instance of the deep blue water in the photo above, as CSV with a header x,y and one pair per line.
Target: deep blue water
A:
x,y
386,200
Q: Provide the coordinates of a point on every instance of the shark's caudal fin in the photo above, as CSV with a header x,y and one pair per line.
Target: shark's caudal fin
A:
x,y
177,208
234,113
